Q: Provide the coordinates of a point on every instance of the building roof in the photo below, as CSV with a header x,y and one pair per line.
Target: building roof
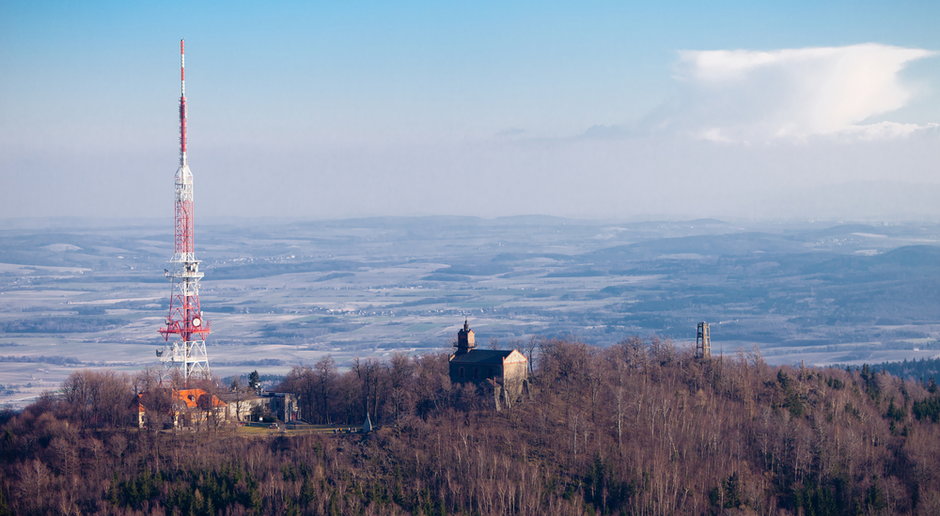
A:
x,y
240,397
482,356
191,397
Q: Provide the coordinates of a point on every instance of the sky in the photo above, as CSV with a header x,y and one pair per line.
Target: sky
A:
x,y
591,109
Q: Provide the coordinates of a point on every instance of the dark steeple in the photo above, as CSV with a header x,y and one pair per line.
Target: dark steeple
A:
x,y
465,340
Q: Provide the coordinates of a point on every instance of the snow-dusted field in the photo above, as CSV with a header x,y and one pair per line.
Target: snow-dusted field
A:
x,y
284,294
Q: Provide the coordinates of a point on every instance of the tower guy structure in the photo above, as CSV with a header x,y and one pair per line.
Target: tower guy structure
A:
x,y
186,330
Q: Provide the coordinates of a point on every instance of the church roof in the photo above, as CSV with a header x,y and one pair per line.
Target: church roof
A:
x,y
482,356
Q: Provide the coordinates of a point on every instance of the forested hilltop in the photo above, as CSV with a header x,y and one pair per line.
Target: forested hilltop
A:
x,y
925,370
638,427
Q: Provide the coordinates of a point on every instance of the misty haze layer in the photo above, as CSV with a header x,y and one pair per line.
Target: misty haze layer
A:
x,y
588,111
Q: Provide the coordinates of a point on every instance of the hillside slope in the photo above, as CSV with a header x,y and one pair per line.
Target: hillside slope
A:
x,y
634,428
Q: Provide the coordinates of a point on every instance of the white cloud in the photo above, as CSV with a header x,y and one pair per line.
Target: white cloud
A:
x,y
794,94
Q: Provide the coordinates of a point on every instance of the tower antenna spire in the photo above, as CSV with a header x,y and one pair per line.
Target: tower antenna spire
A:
x,y
182,104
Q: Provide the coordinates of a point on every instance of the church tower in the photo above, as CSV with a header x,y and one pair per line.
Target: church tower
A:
x,y
465,339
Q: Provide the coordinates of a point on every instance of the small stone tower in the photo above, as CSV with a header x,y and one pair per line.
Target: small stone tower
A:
x,y
703,341
465,340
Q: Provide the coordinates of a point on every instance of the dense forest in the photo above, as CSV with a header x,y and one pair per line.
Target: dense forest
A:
x,y
925,370
635,428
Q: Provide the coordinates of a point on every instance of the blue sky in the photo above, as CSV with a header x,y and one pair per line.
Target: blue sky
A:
x,y
588,109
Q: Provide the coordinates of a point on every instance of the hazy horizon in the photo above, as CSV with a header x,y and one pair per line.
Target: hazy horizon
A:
x,y
600,110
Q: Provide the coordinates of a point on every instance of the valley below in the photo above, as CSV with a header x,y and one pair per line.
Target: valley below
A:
x,y
278,294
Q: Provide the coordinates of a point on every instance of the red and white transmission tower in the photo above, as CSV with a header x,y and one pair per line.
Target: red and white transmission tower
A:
x,y
187,351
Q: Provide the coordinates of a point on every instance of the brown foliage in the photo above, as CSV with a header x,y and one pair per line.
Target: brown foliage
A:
x,y
633,428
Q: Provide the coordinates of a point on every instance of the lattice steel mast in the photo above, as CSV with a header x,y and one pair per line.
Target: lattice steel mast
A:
x,y
703,341
187,352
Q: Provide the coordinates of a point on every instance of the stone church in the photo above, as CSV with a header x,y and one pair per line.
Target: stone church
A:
x,y
508,369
